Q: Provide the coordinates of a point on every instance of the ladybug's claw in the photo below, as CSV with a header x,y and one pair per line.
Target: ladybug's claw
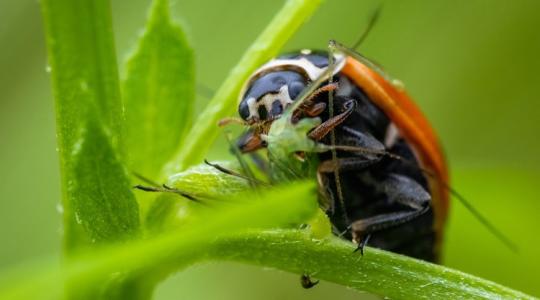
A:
x,y
362,244
306,281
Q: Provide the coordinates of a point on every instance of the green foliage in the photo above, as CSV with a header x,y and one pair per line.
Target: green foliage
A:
x,y
284,139
236,230
96,143
97,201
177,248
158,92
102,202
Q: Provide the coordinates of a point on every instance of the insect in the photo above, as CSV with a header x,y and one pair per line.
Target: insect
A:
x,y
382,174
383,194
307,282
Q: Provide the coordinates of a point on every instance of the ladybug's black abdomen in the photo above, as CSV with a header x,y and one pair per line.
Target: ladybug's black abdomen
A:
x,y
364,192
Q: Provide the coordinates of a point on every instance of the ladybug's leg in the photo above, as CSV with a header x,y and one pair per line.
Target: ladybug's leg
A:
x,y
398,189
322,130
346,164
311,98
354,138
342,164
309,107
362,244
315,110
250,141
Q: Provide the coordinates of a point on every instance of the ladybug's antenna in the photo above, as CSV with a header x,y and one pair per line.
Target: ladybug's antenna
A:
x,y
483,220
466,203
243,164
155,187
335,46
231,120
371,23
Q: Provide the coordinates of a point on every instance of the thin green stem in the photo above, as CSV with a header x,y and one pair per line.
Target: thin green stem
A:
x,y
379,272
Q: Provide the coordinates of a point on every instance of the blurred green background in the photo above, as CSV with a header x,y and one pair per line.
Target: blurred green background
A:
x,y
472,66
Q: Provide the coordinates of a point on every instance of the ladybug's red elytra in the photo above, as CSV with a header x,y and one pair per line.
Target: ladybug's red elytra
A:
x,y
392,202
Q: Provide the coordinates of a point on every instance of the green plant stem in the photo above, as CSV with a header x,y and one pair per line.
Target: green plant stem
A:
x,y
332,259
379,272
224,102
98,204
85,84
174,249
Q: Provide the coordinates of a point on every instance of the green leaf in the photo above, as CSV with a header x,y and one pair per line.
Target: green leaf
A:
x,y
183,246
85,84
103,202
224,102
158,92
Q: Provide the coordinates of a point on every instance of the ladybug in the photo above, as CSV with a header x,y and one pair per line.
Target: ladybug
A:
x,y
399,205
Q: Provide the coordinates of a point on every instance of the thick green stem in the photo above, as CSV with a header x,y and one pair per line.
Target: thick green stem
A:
x,y
85,84
99,206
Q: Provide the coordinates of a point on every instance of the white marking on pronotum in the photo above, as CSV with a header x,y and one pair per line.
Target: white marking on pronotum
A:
x,y
279,64
252,105
312,71
267,100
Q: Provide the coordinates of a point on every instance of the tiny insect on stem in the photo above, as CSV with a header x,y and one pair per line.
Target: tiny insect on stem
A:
x,y
307,282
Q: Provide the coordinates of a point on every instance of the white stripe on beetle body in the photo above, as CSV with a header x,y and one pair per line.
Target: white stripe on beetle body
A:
x,y
267,100
392,135
281,64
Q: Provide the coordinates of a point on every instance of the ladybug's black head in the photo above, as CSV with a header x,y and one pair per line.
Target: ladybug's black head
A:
x,y
270,94
273,87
